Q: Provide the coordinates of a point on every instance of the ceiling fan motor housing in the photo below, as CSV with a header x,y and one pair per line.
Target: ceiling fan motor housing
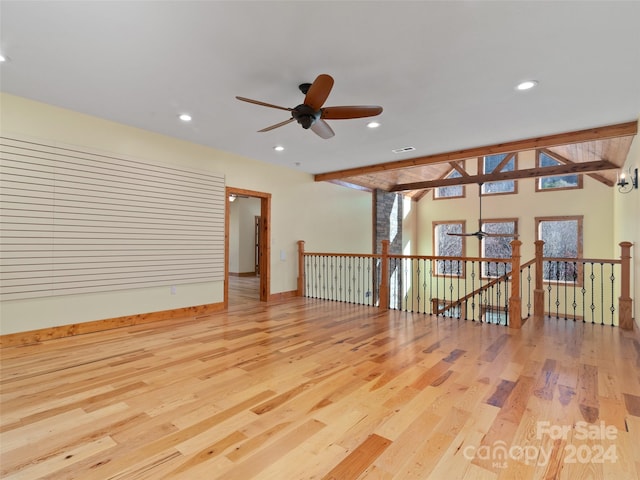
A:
x,y
305,115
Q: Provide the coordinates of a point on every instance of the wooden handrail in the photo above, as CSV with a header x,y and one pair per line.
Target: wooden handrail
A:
x,y
484,287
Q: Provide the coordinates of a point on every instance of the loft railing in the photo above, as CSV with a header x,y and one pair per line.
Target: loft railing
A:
x,y
477,289
591,290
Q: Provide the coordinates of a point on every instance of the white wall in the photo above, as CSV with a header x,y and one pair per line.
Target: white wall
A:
x,y
242,213
329,217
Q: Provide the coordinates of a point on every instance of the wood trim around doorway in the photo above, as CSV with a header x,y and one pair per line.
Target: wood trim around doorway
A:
x,y
265,242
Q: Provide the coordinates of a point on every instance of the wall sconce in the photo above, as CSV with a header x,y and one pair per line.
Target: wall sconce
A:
x,y
232,197
625,185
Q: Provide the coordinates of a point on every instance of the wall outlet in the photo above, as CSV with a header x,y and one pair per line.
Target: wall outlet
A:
x,y
173,289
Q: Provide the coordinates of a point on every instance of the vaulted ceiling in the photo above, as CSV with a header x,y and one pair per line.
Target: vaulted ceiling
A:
x,y
598,152
444,72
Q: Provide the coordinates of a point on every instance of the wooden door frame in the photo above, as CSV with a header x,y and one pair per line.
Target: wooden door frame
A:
x,y
265,241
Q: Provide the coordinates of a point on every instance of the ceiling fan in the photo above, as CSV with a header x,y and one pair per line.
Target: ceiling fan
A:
x,y
310,113
480,234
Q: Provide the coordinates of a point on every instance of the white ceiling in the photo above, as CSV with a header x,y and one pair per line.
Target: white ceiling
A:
x,y
443,71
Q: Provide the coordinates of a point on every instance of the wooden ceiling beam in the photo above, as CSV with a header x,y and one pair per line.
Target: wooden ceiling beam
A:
x,y
612,131
503,163
459,168
562,159
510,175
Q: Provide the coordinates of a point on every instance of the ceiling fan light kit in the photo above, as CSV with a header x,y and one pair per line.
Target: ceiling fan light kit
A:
x,y
311,115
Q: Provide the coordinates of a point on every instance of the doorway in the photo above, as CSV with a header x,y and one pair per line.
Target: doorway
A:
x,y
262,242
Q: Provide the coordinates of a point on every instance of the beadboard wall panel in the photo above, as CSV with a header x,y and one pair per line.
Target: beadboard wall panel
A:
x,y
76,221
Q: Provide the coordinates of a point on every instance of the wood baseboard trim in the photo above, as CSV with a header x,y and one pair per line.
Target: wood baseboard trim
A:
x,y
51,333
276,297
243,274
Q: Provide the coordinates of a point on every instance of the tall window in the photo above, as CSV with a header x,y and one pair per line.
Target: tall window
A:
x,y
503,162
498,247
453,191
558,182
562,238
446,245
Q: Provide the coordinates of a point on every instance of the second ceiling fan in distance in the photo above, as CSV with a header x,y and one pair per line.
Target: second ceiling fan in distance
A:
x,y
311,114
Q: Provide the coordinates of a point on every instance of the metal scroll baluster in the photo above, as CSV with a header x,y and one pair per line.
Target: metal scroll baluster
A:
x,y
451,268
506,294
593,306
558,276
473,289
612,308
528,291
601,293
438,285
417,283
549,287
565,278
575,282
430,286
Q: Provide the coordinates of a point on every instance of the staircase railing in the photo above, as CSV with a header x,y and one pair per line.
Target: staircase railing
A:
x,y
471,288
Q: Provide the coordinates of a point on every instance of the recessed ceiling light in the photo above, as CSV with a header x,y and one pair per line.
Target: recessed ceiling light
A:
x,y
373,124
185,117
527,85
278,148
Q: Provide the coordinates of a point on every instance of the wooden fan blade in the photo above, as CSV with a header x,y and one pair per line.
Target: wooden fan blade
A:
x,y
276,125
475,234
509,235
318,91
322,129
356,111
257,102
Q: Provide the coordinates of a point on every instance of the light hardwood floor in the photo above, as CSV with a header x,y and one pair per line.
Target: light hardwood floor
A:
x,y
308,389
243,290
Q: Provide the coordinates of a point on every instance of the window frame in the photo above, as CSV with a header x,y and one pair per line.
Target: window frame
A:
x,y
513,220
560,161
580,239
434,244
447,175
481,171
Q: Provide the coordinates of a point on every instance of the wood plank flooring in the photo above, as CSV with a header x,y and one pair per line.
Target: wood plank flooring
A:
x,y
309,389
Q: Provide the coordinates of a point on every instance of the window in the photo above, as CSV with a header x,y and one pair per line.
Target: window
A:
x,y
558,182
446,245
498,247
562,238
453,191
504,162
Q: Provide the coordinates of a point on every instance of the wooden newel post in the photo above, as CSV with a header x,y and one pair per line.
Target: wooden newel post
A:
x,y
384,280
538,292
515,302
300,292
625,319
